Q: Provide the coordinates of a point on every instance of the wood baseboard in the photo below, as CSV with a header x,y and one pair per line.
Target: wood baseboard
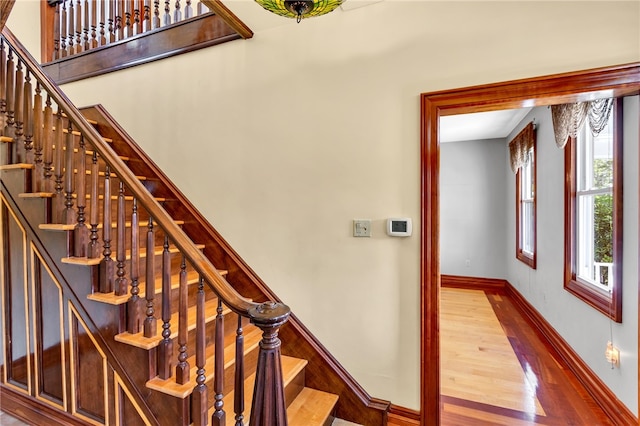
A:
x,y
472,283
32,411
401,416
607,400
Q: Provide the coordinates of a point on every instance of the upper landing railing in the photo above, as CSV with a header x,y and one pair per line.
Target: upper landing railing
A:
x,y
81,25
85,38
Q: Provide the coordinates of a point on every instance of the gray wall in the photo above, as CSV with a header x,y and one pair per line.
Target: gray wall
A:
x,y
472,208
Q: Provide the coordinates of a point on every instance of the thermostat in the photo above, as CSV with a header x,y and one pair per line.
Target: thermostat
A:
x,y
399,227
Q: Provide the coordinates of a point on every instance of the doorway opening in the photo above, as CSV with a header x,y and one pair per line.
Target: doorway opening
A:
x,y
616,81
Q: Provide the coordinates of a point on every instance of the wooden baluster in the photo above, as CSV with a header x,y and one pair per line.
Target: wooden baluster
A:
x,y
81,231
38,180
71,28
156,14
111,21
182,369
119,20
58,201
127,30
27,108
121,282
3,87
177,14
47,142
62,24
9,128
146,16
238,398
102,40
188,10
150,284
69,213
167,13
87,26
202,9
56,34
19,114
107,263
94,246
165,348
268,407
134,323
199,394
137,24
218,418
79,44
93,11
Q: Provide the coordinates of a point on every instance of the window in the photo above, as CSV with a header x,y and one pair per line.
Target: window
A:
x,y
526,210
523,162
593,216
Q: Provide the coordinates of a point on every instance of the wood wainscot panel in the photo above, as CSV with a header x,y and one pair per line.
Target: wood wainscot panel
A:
x,y
15,309
126,409
89,395
50,372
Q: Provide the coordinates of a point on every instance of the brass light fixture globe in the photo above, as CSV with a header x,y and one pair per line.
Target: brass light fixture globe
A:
x,y
299,9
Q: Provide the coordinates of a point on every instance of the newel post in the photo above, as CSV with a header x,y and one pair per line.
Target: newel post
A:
x,y
269,406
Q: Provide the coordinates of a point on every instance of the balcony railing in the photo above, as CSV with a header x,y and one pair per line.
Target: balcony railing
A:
x,y
85,38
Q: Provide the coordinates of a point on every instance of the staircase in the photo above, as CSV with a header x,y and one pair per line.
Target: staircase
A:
x,y
120,316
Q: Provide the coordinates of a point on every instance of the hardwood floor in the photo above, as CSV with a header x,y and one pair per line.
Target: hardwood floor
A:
x,y
497,371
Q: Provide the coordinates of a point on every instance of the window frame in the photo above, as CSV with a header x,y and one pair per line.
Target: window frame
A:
x,y
521,254
610,304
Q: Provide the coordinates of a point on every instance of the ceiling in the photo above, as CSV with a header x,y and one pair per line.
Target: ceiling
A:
x,y
480,125
455,128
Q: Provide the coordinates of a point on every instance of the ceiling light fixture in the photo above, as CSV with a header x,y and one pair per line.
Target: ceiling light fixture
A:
x,y
299,9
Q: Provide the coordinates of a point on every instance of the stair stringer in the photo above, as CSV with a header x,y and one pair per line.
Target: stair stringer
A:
x,y
99,321
324,372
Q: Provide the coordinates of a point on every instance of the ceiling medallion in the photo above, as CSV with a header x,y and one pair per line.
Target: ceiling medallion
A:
x,y
299,9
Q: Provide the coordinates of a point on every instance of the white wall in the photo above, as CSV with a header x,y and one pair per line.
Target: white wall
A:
x,y
472,208
283,139
584,328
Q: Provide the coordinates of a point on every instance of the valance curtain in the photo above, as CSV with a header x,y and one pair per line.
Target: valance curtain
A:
x,y
521,145
568,119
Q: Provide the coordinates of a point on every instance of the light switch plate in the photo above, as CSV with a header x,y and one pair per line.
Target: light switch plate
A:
x,y
361,228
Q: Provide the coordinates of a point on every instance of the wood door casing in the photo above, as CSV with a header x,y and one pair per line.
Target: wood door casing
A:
x,y
577,86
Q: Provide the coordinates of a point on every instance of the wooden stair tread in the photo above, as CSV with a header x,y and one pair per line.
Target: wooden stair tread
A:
x,y
138,340
111,299
290,369
88,196
36,195
169,386
90,121
143,253
114,225
311,408
17,166
103,174
6,139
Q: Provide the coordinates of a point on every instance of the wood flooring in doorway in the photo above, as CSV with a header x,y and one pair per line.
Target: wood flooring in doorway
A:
x,y
495,369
